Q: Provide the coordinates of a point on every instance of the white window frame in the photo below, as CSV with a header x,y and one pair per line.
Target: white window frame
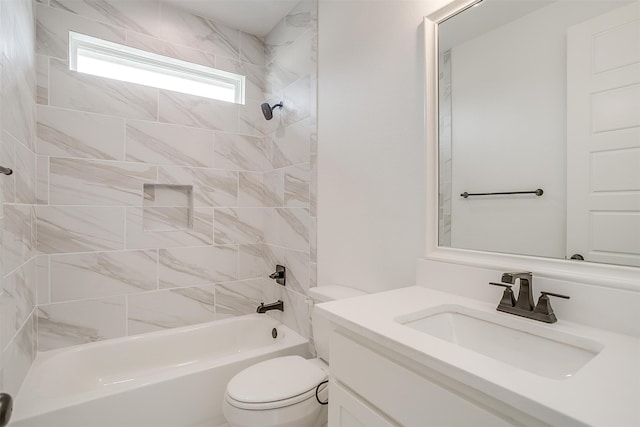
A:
x,y
137,59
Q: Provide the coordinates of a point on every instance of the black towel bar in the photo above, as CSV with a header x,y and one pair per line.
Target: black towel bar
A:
x,y
537,192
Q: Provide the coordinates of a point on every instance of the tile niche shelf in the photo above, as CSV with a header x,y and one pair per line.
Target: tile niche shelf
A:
x,y
167,207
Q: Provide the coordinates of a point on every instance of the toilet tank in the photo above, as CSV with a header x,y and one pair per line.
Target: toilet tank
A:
x,y
320,326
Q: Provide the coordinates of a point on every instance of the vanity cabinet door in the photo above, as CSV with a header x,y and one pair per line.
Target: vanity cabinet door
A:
x,y
346,410
400,393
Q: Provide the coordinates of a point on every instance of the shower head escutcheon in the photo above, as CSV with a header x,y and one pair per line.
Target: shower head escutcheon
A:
x,y
267,110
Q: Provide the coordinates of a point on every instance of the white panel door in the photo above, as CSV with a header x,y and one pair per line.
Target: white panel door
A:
x,y
346,410
603,137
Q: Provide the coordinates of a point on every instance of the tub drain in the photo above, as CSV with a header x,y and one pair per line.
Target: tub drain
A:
x,y
274,333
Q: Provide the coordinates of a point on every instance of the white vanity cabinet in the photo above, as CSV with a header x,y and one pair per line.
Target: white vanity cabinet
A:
x,y
387,366
349,410
371,389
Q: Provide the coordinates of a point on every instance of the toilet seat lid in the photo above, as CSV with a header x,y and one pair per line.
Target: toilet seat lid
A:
x,y
274,380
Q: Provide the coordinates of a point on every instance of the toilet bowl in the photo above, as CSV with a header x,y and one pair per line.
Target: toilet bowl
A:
x,y
286,391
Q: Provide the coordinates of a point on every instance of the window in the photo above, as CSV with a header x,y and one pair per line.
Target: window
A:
x,y
115,61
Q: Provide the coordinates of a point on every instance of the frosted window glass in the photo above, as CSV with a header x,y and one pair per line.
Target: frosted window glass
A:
x,y
115,61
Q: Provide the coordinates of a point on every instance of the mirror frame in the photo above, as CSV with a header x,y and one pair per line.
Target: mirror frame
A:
x,y
614,276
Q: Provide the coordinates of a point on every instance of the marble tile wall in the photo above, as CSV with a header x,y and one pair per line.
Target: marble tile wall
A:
x,y
444,150
111,261
109,264
18,270
289,183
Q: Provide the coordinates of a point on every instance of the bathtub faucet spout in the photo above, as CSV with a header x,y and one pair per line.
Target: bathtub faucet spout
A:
x,y
278,305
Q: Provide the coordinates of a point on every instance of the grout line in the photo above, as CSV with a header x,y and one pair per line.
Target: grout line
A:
x,y
19,330
126,315
49,279
14,162
149,164
36,328
139,291
124,228
238,261
48,81
116,251
124,140
48,175
158,105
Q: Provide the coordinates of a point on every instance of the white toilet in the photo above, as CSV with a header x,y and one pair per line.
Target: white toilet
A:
x,y
281,392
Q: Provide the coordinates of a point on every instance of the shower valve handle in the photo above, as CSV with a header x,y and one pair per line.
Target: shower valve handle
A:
x,y
280,276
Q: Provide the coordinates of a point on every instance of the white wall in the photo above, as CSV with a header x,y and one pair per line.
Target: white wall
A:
x,y
371,157
509,115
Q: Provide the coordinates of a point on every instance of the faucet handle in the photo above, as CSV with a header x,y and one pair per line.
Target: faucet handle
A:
x,y
543,307
504,285
507,296
551,294
280,275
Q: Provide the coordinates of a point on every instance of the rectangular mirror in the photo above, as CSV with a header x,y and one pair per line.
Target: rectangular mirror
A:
x,y
540,100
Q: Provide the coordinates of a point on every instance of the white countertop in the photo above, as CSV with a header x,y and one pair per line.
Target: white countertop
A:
x,y
605,392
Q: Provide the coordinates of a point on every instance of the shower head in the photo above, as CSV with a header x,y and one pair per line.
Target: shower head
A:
x,y
267,110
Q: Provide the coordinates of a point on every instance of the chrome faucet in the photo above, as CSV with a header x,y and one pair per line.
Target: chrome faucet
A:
x,y
524,306
278,305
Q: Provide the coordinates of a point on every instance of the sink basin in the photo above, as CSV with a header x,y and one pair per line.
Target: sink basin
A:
x,y
538,349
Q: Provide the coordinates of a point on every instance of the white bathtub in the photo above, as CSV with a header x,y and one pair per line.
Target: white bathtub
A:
x,y
173,378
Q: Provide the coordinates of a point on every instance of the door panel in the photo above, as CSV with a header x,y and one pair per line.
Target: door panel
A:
x,y
603,137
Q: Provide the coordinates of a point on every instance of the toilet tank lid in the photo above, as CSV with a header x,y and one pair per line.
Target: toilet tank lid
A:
x,y
333,292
